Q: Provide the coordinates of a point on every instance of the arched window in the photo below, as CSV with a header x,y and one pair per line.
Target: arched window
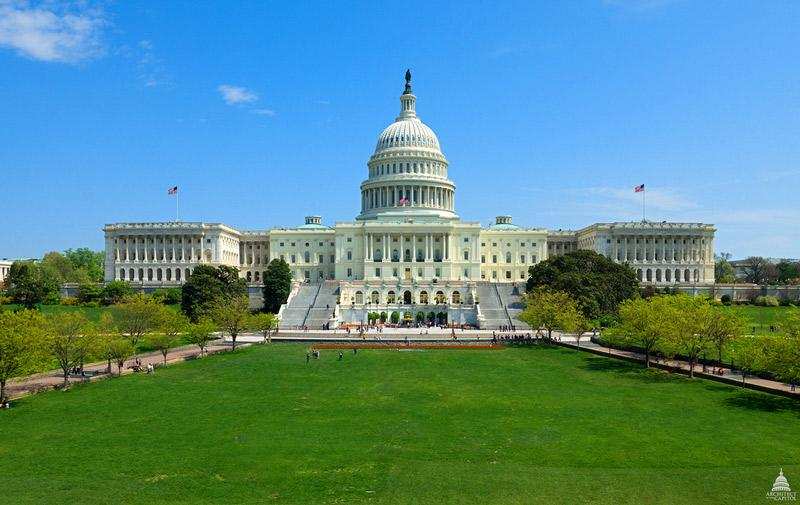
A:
x,y
407,255
668,275
686,275
158,274
440,298
169,274
249,276
377,255
456,297
257,276
696,274
640,274
177,274
150,274
376,297
390,297
423,297
122,274
407,298
131,277
359,298
658,275
395,255
649,275
307,257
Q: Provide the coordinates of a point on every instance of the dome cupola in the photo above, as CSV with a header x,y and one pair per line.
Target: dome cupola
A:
x,y
407,171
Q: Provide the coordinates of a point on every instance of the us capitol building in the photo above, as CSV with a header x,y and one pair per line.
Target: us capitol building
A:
x,y
407,251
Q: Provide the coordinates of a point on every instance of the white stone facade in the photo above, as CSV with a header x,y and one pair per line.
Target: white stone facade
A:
x,y
407,239
5,268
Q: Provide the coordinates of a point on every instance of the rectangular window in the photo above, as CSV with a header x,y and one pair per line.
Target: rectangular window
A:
x,y
508,274
349,272
321,259
466,273
522,259
438,272
349,239
377,272
483,258
293,258
466,239
494,275
494,258
349,255
419,272
333,258
522,275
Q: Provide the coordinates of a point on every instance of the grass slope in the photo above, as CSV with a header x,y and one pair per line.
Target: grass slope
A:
x,y
542,425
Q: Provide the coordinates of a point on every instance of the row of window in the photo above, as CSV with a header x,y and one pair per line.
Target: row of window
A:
x,y
408,168
407,298
154,274
522,258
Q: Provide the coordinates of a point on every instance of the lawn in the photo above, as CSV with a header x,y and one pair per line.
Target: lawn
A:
x,y
760,318
540,425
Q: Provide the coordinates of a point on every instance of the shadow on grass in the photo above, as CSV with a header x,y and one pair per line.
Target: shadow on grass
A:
x,y
628,369
763,402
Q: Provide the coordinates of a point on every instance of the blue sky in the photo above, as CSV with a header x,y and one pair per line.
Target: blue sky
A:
x,y
264,112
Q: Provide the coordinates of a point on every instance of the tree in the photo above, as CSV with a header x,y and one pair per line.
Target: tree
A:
x,y
85,262
115,291
550,310
277,285
723,270
264,323
57,267
749,354
788,271
170,325
70,338
207,286
21,334
89,292
119,350
578,324
721,328
136,316
642,324
685,315
168,296
201,333
27,284
232,317
758,270
595,282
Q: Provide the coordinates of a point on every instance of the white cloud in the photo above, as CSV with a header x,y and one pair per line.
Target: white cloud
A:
x,y
234,95
52,31
263,112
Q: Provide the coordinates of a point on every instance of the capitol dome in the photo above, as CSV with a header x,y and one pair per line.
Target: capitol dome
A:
x,y
408,171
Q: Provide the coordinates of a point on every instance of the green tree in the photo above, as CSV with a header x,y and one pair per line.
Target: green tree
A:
x,y
56,267
21,337
550,310
788,271
115,291
89,292
721,328
642,323
264,323
723,270
758,270
85,263
119,350
202,333
171,325
136,316
749,354
168,296
685,316
232,316
277,285
595,282
208,286
70,338
28,286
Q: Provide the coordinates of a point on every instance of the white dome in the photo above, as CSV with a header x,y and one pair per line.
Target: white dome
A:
x,y
407,132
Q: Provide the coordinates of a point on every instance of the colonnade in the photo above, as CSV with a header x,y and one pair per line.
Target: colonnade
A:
x,y
147,248
408,195
668,249
379,247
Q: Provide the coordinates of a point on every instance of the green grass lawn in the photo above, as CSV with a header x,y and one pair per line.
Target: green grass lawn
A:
x,y
760,318
540,425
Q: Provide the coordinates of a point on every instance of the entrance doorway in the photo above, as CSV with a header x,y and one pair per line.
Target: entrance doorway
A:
x,y
407,297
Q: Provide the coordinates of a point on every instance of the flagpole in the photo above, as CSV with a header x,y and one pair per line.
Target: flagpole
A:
x,y
644,191
176,207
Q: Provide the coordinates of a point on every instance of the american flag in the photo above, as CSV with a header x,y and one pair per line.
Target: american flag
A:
x,y
173,190
639,188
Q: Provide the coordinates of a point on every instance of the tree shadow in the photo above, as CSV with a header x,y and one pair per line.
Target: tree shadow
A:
x,y
764,402
625,368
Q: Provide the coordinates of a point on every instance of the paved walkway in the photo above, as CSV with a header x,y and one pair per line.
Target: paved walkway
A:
x,y
54,378
728,376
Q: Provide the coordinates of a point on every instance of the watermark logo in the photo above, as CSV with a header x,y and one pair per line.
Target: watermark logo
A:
x,y
781,490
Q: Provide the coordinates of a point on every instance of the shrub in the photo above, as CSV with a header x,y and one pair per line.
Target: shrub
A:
x,y
767,301
785,302
69,301
167,296
89,292
725,299
383,317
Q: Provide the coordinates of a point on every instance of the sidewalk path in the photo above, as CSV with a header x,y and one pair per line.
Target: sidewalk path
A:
x,y
54,378
728,376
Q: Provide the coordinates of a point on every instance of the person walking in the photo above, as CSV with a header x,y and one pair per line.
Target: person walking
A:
x,y
341,355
